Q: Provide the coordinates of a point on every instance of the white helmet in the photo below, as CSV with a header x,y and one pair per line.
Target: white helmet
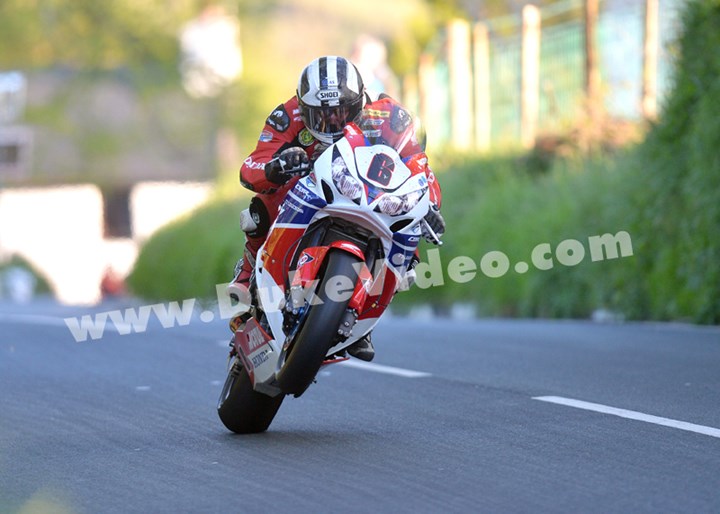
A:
x,y
331,94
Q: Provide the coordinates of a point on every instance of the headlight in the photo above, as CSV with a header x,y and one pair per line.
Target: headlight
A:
x,y
395,205
347,184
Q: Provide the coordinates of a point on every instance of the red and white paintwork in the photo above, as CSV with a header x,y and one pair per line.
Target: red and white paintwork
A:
x,y
304,205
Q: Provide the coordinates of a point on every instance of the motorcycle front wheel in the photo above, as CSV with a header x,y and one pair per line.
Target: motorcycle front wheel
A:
x,y
320,328
242,409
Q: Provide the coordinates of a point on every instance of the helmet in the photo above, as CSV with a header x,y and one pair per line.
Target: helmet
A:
x,y
330,94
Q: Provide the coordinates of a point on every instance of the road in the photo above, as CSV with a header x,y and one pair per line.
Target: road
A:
x,y
127,423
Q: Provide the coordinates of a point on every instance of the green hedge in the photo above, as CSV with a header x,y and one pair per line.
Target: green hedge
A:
x,y
189,257
496,206
677,183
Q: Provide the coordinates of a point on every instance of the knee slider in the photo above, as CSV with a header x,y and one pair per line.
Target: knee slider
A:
x,y
255,220
247,224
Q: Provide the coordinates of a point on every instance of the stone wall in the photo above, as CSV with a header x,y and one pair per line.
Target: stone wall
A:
x,y
60,231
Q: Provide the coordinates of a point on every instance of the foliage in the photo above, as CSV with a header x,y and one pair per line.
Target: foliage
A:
x,y
405,47
189,257
89,34
678,174
502,205
40,282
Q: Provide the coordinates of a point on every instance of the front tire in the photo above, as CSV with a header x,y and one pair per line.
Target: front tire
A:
x,y
242,409
320,328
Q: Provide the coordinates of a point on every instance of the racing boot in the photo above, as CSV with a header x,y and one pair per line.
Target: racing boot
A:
x,y
362,349
239,288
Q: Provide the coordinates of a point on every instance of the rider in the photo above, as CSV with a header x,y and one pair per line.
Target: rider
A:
x,y
330,94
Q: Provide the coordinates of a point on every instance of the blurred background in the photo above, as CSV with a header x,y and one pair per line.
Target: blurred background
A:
x,y
123,125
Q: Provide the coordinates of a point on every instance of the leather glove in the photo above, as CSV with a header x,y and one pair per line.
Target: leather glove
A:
x,y
288,163
436,222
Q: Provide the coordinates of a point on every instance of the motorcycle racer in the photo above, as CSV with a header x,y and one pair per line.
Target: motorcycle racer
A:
x,y
330,94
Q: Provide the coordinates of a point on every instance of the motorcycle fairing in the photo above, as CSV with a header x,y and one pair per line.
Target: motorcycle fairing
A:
x,y
253,346
317,197
294,216
310,263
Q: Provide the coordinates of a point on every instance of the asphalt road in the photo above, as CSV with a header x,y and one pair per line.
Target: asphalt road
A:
x,y
127,423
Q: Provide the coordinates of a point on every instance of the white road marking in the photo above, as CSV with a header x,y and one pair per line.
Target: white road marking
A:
x,y
368,366
630,414
379,368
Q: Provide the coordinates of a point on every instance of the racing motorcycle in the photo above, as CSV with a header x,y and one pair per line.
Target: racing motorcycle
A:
x,y
335,256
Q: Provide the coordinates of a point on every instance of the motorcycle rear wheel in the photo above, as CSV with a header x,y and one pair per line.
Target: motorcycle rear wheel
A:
x,y
242,409
320,328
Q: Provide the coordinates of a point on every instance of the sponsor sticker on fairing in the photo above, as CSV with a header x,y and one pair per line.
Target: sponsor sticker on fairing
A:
x,y
304,193
304,259
372,133
253,347
377,114
255,339
260,358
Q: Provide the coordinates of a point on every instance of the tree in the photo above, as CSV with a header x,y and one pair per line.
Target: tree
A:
x,y
89,34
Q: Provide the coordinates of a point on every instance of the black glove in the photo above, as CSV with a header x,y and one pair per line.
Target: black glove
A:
x,y
288,163
436,222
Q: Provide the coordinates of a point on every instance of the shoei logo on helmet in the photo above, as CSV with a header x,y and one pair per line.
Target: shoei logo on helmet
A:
x,y
328,95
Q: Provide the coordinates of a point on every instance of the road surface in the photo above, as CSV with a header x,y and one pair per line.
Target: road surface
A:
x,y
453,416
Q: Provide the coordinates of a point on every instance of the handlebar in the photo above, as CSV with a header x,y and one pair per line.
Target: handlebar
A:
x,y
430,234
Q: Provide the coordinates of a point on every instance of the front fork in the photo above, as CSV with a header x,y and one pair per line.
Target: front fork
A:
x,y
303,289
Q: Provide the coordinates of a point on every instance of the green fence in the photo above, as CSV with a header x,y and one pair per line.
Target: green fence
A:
x,y
619,42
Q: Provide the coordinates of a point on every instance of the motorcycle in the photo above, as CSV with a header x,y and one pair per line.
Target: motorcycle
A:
x,y
338,251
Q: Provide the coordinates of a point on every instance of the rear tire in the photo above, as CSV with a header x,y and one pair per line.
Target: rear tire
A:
x,y
242,409
320,328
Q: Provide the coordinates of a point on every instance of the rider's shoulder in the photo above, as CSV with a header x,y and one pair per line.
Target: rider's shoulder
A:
x,y
286,117
388,104
376,99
